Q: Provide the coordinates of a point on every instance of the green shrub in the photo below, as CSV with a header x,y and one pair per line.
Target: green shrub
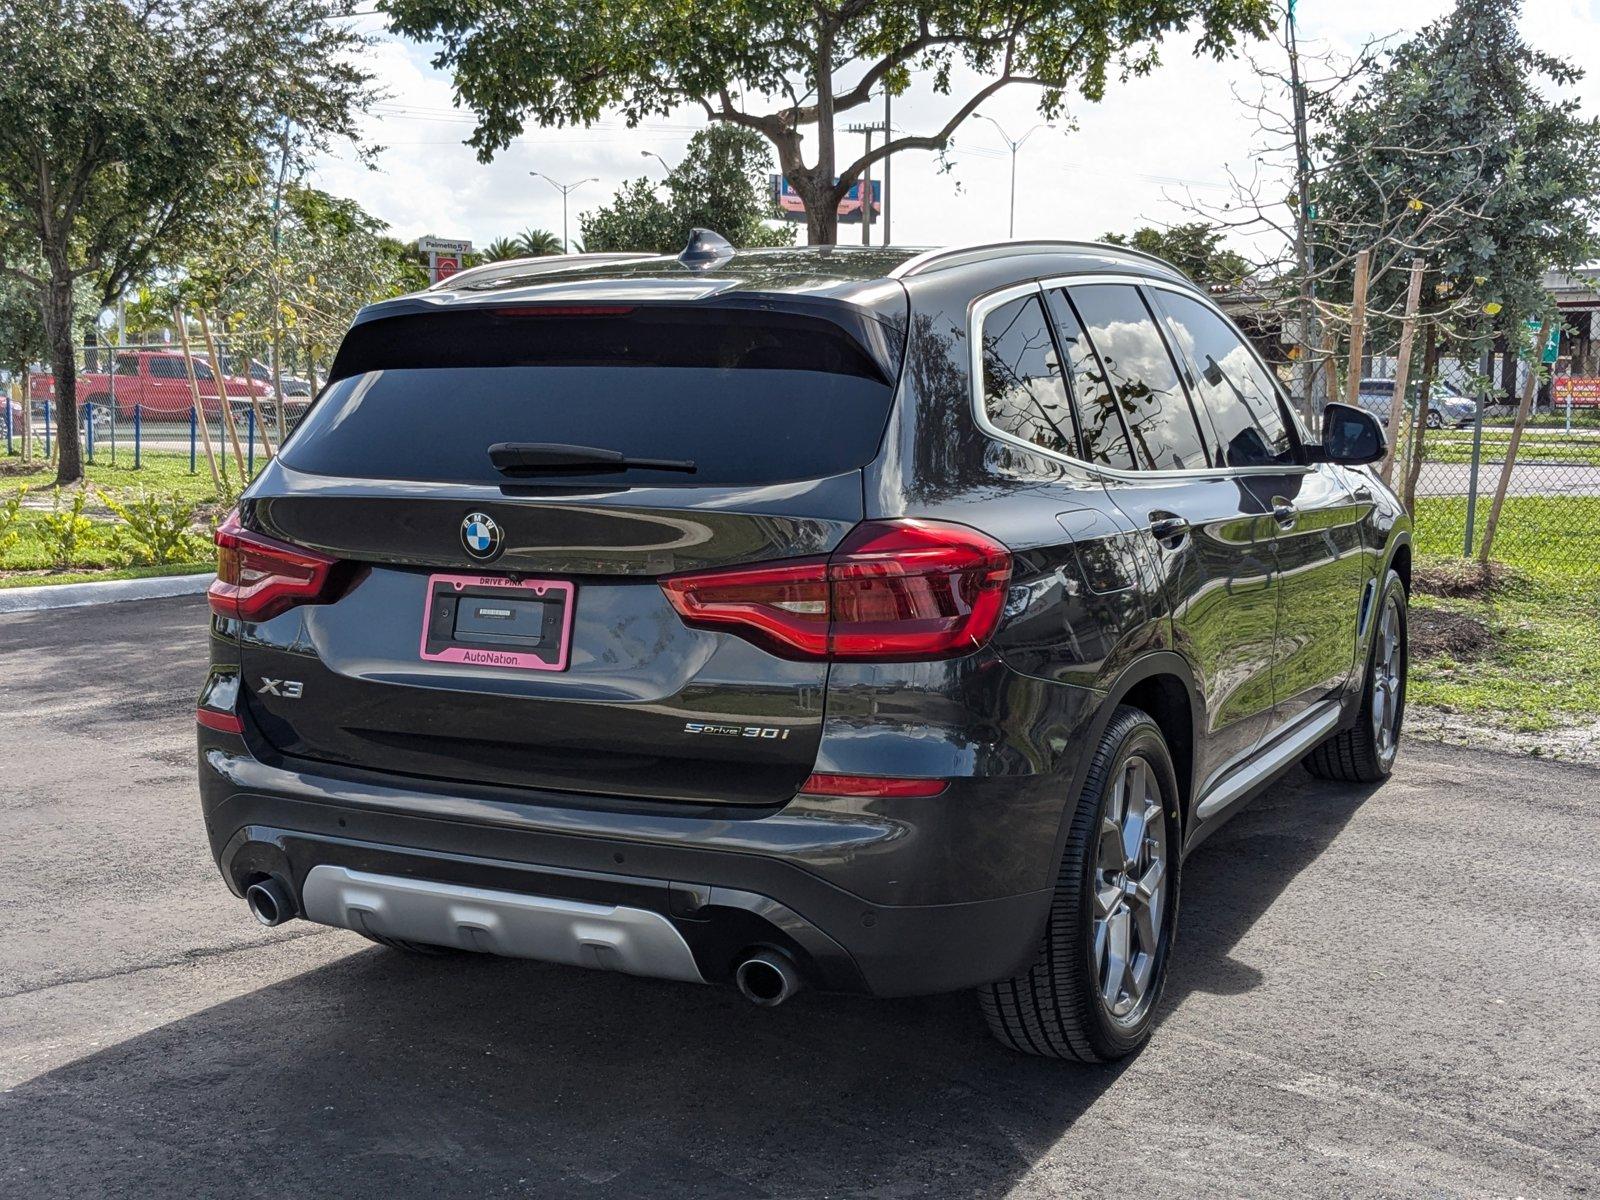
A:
x,y
11,520
66,532
154,530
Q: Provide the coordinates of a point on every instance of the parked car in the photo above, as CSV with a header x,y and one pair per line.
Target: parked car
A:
x,y
293,385
157,381
874,621
1446,405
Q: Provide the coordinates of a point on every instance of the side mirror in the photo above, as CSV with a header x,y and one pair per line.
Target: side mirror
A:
x,y
1351,436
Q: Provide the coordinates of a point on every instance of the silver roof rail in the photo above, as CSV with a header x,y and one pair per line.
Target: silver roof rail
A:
x,y
928,260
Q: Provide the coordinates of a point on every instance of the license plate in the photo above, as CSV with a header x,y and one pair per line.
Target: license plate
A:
x,y
492,621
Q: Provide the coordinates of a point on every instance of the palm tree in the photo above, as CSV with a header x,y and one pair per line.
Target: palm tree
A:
x,y
536,242
501,249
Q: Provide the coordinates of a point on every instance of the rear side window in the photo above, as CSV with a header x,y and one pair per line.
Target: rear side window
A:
x,y
1023,393
1104,441
1160,423
1234,389
751,397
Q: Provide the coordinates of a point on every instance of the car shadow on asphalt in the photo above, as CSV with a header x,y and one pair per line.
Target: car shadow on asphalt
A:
x,y
386,1075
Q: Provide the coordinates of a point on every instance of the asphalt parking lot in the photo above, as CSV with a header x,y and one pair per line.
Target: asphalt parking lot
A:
x,y
1388,993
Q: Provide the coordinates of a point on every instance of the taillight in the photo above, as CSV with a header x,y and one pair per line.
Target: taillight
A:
x,y
901,590
259,577
222,722
870,785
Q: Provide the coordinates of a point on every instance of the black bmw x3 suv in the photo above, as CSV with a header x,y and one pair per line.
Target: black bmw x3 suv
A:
x,y
877,620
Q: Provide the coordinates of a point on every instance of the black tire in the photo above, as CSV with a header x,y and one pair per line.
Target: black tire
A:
x,y
1434,420
1055,1009
424,949
1358,754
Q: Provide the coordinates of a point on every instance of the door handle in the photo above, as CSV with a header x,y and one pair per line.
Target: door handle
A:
x,y
1284,514
1168,528
1362,492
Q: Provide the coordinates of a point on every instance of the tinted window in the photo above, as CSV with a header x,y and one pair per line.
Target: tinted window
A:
x,y
1160,423
167,368
1104,441
127,364
1023,394
1232,386
752,397
1378,387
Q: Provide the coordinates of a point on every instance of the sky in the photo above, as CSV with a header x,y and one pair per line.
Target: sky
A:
x,y
1127,161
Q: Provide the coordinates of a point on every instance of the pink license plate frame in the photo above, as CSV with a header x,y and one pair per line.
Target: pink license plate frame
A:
x,y
487,656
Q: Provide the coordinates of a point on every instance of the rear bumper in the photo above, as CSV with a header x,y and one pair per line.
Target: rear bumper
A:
x,y
724,885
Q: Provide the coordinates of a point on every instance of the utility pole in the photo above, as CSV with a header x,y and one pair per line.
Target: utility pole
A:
x,y
1304,215
888,159
866,179
277,283
1011,227
566,189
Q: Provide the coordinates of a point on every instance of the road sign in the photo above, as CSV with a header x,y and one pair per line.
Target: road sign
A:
x,y
444,255
1552,345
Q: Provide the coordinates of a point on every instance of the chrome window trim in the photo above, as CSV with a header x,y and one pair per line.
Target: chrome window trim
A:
x,y
988,302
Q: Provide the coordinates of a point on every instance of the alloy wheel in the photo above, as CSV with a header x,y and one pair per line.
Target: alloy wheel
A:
x,y
1388,682
1130,892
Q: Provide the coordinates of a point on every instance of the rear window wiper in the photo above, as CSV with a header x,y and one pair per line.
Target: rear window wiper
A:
x,y
555,458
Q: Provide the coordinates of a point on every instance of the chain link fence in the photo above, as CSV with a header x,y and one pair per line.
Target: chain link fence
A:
x,y
137,403
1550,521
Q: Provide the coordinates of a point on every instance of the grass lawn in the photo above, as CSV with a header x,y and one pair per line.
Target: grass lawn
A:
x,y
1521,655
34,579
161,472
1538,446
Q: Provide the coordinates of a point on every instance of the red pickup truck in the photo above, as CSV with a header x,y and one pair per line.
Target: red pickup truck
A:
x,y
156,381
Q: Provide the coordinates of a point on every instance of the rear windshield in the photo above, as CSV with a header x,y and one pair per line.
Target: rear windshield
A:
x,y
751,396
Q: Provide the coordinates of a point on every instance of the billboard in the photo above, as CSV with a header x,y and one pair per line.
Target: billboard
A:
x,y
790,207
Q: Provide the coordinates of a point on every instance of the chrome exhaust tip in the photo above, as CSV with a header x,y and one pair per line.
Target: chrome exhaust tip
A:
x,y
270,902
767,979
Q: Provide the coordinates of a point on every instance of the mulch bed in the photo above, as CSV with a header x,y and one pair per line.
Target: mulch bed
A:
x,y
1436,632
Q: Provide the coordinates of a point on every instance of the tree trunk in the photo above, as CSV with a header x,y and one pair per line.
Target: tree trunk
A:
x,y
58,332
822,218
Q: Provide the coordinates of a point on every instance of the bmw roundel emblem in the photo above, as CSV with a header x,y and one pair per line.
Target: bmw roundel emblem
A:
x,y
480,535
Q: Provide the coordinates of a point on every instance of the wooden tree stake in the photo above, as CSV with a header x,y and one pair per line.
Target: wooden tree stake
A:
x,y
226,402
194,395
1529,386
1358,327
1402,372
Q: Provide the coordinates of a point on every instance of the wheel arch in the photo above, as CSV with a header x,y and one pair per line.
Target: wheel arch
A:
x,y
1162,685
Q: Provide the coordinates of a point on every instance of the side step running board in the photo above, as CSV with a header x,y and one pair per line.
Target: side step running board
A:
x,y
1271,759
635,941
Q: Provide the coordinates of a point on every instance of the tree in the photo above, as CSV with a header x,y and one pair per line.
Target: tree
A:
x,y
536,243
1506,182
775,67
501,249
331,258
1194,247
722,183
126,124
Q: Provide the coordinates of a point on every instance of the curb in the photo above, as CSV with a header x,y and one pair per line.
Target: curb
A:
x,y
77,595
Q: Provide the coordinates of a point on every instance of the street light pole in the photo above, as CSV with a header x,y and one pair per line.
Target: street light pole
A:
x,y
657,157
566,189
1011,228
